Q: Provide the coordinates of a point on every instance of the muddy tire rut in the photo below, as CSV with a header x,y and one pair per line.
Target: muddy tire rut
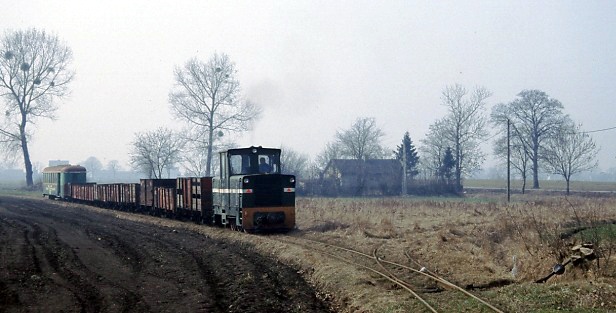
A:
x,y
55,257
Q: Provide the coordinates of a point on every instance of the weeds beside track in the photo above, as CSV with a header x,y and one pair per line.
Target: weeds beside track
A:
x,y
412,280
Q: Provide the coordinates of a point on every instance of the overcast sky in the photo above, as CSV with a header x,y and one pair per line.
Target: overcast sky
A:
x,y
316,66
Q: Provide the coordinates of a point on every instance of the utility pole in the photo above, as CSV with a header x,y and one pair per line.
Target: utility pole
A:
x,y
508,161
404,188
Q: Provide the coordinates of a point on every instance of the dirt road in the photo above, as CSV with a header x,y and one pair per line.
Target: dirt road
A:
x,y
66,258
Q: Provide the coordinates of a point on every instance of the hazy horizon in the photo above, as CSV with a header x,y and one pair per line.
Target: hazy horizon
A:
x,y
316,66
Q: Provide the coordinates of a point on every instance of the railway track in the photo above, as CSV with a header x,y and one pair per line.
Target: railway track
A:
x,y
418,282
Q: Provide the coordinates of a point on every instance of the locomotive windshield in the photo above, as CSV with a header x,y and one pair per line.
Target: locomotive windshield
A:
x,y
253,161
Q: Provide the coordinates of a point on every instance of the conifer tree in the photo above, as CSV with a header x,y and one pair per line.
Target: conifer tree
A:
x,y
412,158
446,170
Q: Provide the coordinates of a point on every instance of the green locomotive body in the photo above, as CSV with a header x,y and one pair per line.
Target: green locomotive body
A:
x,y
250,193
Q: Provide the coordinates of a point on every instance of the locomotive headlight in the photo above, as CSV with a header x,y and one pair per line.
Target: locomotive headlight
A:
x,y
246,180
292,179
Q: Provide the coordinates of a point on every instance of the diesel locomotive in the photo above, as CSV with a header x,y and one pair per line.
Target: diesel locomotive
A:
x,y
248,192
251,193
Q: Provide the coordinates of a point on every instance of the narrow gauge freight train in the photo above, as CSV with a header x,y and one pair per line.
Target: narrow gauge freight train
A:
x,y
248,193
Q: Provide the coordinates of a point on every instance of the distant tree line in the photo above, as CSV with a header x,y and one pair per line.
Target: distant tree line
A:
x,y
533,132
541,138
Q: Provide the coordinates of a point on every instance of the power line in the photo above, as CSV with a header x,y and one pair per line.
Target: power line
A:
x,y
598,130
490,138
581,132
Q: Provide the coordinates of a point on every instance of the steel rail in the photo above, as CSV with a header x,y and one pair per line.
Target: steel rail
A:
x,y
424,272
394,279
404,283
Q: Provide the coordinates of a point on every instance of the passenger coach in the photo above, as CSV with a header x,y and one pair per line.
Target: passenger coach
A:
x,y
57,180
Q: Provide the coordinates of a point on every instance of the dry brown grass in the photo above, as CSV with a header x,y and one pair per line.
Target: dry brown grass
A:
x,y
469,241
478,241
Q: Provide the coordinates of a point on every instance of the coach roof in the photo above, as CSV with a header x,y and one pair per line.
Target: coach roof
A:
x,y
64,169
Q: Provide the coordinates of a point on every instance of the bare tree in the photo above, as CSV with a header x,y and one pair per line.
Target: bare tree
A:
x,y
155,151
293,162
93,165
196,151
517,152
114,166
196,162
433,149
519,158
34,70
570,151
362,141
207,95
534,117
8,159
331,151
464,127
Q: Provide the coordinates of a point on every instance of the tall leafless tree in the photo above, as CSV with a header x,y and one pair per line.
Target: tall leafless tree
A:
x,y
293,162
330,152
34,71
153,152
362,141
195,151
433,148
114,166
519,158
516,152
464,127
93,166
196,163
570,151
208,95
535,117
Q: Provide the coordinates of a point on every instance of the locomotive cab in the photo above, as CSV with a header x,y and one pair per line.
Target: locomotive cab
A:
x,y
250,193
